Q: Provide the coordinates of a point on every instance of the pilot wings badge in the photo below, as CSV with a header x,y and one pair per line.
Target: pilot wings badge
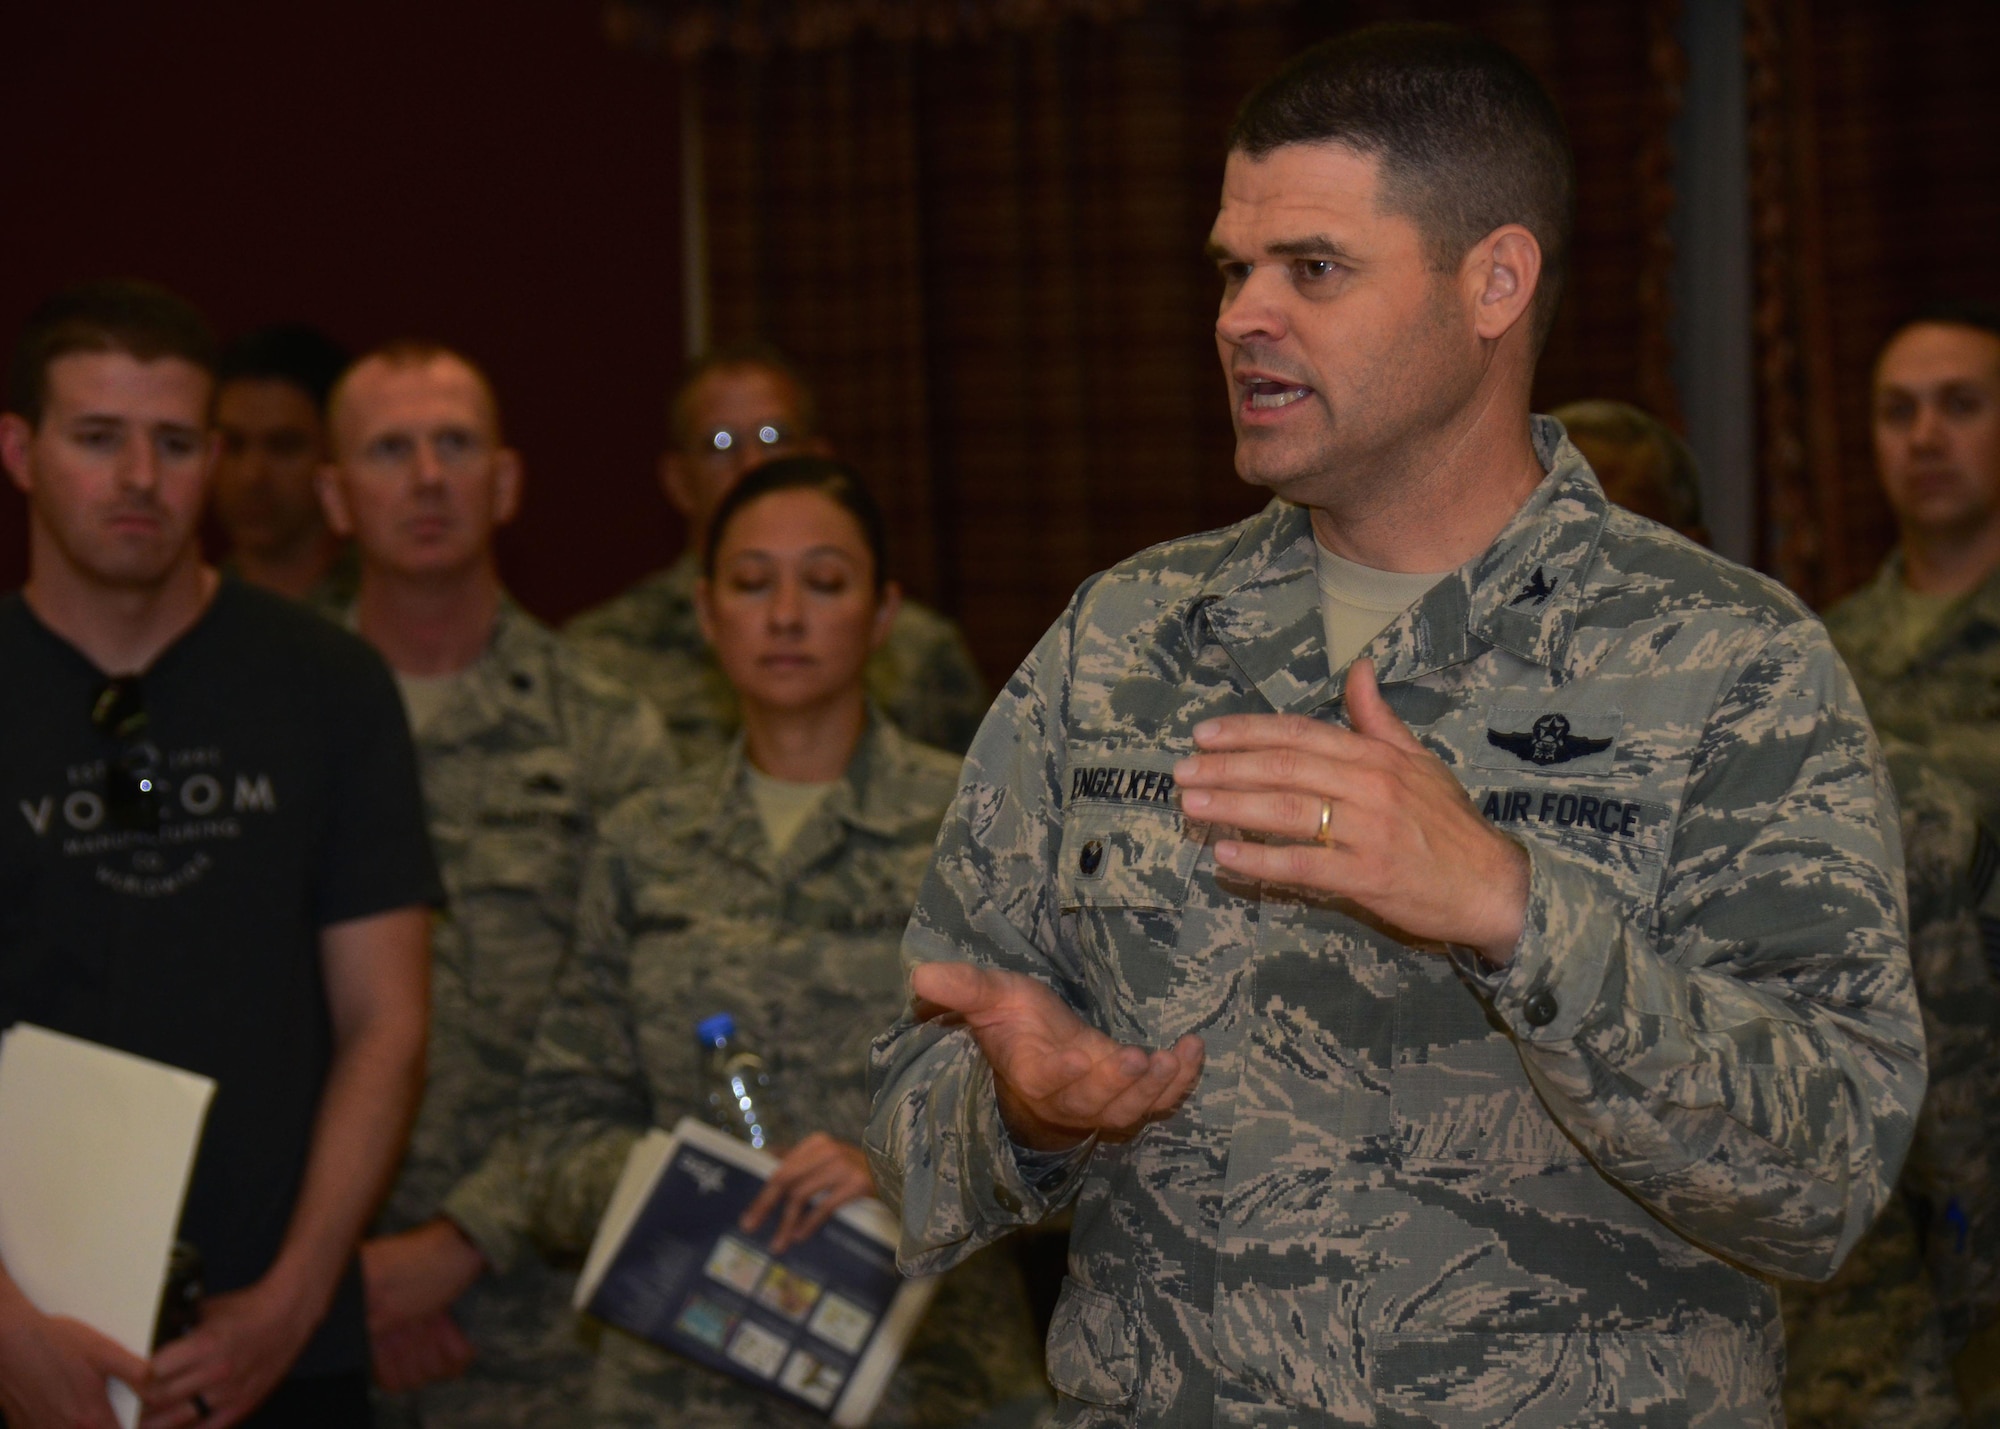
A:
x,y
1548,741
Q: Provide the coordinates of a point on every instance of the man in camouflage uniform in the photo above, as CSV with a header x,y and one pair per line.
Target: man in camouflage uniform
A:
x,y
1449,1120
1923,638
1873,1345
687,911
270,411
738,409
523,749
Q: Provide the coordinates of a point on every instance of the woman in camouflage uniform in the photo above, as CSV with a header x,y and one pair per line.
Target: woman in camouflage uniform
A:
x,y
773,886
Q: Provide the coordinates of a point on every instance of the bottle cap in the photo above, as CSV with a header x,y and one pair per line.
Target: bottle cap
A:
x,y
716,1027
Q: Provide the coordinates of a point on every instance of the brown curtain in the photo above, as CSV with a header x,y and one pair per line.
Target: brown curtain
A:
x,y
987,252
1875,187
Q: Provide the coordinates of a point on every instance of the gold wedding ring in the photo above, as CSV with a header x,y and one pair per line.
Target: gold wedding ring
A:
x,y
1325,820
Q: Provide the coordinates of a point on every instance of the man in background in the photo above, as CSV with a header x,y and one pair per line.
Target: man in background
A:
x,y
1885,1342
1923,638
270,412
739,408
523,749
214,856
1641,462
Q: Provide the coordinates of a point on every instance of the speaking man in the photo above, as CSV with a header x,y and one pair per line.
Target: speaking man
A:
x,y
1444,933
1923,638
739,408
523,748
213,856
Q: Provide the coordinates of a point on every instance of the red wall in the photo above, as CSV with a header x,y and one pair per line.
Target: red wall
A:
x,y
496,177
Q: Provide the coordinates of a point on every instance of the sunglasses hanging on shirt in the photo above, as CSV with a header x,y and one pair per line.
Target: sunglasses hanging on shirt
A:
x,y
131,782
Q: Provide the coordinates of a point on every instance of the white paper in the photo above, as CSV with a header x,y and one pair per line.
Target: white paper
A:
x,y
95,1150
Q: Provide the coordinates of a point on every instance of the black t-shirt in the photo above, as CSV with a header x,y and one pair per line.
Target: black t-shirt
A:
x,y
287,800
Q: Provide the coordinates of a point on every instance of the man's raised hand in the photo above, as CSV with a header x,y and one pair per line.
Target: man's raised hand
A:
x,y
1059,1080
1366,812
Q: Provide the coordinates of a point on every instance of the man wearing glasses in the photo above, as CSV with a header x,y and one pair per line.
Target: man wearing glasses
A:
x,y
215,857
739,408
523,747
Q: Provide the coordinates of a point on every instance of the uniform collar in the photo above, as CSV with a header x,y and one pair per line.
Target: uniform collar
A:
x,y
866,798
507,686
1521,594
1981,608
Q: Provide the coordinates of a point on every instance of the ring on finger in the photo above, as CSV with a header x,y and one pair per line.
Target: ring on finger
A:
x,y
1325,821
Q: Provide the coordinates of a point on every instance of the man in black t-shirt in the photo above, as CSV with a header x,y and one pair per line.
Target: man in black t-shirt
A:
x,y
213,854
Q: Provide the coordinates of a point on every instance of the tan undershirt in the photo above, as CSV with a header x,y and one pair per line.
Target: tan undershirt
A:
x,y
1357,602
783,806
425,696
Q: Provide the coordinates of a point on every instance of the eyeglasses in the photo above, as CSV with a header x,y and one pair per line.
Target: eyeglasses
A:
x,y
130,779
727,441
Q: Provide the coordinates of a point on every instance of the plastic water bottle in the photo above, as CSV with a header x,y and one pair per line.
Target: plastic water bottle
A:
x,y
738,1084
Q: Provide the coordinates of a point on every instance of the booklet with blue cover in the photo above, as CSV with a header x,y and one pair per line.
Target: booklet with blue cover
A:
x,y
822,1325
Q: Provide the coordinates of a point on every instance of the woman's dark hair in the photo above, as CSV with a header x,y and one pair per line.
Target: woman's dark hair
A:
x,y
836,480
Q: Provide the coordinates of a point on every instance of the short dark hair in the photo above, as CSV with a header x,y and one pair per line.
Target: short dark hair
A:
x,y
833,479
754,352
404,352
1467,138
140,319
293,353
1950,312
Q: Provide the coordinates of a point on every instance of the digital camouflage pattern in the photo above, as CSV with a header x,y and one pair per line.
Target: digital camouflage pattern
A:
x,y
1942,692
1873,1346
1408,1190
923,677
535,748
686,912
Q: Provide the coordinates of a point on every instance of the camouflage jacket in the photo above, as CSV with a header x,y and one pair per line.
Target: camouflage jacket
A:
x,y
533,751
1407,1188
1943,695
686,911
1873,1346
924,677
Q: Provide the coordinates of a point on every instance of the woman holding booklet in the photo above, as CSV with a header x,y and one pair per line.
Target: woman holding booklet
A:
x,y
774,886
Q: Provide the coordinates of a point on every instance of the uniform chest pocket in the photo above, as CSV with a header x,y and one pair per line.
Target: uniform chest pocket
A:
x,y
1117,856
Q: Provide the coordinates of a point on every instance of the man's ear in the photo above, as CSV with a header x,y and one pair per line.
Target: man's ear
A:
x,y
508,476
332,500
890,604
1502,274
16,436
676,480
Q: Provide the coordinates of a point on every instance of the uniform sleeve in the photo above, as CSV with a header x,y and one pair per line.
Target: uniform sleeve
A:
x,y
936,1140
376,850
584,1098
1749,1062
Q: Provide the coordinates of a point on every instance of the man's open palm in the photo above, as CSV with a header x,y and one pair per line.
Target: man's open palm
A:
x,y
1059,1079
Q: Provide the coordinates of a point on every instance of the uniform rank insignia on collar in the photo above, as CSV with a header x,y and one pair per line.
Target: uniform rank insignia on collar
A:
x,y
1548,741
1538,589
